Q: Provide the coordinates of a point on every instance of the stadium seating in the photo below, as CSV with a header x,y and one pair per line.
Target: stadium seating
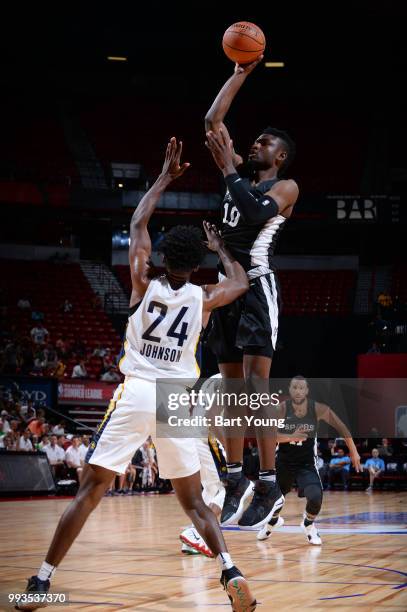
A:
x,y
310,292
47,285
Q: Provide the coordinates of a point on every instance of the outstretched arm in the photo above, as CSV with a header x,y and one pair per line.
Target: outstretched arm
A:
x,y
254,209
235,283
217,112
325,413
140,243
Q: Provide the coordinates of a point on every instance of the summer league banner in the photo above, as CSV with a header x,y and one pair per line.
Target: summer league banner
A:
x,y
366,408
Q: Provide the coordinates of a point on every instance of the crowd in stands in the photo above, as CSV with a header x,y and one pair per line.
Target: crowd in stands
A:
x,y
384,463
388,327
35,354
24,427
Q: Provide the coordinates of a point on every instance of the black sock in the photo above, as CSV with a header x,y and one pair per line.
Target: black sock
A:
x,y
234,470
308,522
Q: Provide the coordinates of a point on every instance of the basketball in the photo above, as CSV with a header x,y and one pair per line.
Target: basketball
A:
x,y
243,42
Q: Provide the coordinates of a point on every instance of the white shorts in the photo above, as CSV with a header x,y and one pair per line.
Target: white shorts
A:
x,y
129,420
213,489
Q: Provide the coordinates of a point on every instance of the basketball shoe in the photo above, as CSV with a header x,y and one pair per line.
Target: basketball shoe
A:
x,y
35,585
237,491
266,530
312,534
191,538
266,500
237,588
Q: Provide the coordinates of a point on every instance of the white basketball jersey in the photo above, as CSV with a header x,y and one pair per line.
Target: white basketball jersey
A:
x,y
163,332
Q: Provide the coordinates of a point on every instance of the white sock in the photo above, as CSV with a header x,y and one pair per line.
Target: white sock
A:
x,y
225,561
47,571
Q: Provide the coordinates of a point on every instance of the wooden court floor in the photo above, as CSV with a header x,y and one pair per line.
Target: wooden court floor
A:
x,y
128,556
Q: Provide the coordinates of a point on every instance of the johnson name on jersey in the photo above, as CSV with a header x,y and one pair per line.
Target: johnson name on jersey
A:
x,y
163,332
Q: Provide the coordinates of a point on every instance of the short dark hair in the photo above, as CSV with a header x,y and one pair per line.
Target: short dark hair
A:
x,y
299,377
183,248
288,143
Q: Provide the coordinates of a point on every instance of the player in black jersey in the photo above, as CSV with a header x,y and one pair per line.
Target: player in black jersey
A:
x,y
296,460
243,336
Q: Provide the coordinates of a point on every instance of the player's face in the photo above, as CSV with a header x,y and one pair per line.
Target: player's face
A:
x,y
264,151
298,390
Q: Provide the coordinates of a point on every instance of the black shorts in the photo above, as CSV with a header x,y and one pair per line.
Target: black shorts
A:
x,y
249,325
304,475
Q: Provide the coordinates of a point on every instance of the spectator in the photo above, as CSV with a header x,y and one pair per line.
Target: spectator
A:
x,y
385,303
375,467
61,347
27,410
36,427
84,447
5,423
39,334
80,370
10,442
148,463
63,442
51,355
24,304
73,457
59,429
385,449
339,466
111,375
329,451
99,351
45,441
24,443
37,315
126,480
66,306
56,455
107,359
40,361
59,370
374,349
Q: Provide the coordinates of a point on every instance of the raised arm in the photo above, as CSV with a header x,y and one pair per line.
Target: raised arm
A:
x,y
235,283
140,243
216,114
253,208
325,413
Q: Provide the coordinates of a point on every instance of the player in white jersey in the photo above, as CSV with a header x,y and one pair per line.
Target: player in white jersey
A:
x,y
165,322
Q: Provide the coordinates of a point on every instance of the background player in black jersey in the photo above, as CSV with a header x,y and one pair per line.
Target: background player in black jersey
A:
x,y
243,335
296,460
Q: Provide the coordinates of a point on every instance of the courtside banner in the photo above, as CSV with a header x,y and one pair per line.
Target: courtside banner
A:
x,y
85,392
42,391
368,408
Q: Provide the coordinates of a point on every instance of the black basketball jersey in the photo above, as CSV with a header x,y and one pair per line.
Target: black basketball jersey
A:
x,y
299,452
251,245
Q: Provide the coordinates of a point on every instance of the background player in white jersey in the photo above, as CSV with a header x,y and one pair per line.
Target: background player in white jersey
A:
x,y
244,334
166,315
296,459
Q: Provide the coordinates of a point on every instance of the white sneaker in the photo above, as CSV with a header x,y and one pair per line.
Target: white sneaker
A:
x,y
188,550
265,531
312,534
191,538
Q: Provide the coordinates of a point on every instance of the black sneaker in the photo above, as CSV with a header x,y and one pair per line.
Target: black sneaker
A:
x,y
237,491
237,588
34,585
266,500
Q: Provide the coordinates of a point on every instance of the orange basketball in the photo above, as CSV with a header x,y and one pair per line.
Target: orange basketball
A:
x,y
243,42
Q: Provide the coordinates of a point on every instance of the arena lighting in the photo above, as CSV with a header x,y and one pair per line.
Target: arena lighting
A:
x,y
120,185
274,64
116,58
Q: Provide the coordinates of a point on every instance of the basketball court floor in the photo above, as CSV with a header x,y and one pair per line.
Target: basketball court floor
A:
x,y
128,556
